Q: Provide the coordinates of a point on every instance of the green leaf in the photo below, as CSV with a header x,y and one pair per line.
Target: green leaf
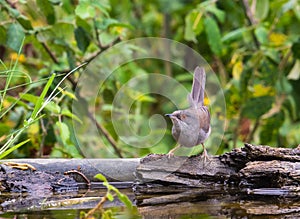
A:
x,y
110,187
213,35
108,95
67,6
47,9
85,10
84,24
82,38
273,54
62,32
15,36
4,129
193,25
256,107
296,10
124,198
64,132
53,107
262,9
103,6
107,214
67,112
283,86
262,35
29,97
40,100
18,101
88,8
25,22
109,22
217,12
146,98
71,58
234,35
128,26
296,49
101,177
109,196
270,129
2,35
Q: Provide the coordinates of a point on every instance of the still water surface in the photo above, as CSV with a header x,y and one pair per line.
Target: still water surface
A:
x,y
261,203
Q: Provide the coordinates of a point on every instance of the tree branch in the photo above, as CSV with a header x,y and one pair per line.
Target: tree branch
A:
x,y
251,20
106,135
52,56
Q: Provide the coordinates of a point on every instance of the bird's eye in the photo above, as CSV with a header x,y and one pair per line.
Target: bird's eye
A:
x,y
178,116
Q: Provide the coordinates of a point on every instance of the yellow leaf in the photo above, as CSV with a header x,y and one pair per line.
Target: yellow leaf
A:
x,y
259,90
33,129
234,59
118,30
33,133
237,70
277,39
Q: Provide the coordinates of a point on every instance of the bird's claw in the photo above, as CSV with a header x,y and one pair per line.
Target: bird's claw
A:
x,y
170,154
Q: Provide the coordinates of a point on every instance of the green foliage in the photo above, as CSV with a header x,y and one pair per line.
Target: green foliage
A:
x,y
253,49
213,35
15,36
111,190
82,38
110,196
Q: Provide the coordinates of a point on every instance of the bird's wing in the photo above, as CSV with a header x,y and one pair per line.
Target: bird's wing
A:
x,y
204,118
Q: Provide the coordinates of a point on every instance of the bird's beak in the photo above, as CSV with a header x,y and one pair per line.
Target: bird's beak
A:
x,y
169,115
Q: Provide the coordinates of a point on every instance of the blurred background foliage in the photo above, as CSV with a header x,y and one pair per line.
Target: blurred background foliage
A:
x,y
252,45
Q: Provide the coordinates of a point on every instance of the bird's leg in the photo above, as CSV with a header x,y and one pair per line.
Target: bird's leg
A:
x,y
171,152
204,154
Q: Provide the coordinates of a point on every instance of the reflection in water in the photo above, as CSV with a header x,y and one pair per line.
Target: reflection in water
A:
x,y
196,203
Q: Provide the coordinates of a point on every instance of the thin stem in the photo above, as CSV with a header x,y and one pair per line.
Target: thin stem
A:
x,y
106,135
256,125
251,20
97,208
52,56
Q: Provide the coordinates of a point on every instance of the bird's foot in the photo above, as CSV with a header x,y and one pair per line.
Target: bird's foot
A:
x,y
205,156
171,152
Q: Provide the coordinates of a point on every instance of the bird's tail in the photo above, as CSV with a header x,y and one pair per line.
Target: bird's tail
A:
x,y
196,96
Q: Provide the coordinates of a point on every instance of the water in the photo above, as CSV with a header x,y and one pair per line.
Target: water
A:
x,y
256,203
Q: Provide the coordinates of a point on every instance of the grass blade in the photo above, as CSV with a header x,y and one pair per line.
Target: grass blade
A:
x,y
15,147
39,102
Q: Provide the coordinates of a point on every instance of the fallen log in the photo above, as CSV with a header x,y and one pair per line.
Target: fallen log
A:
x,y
116,170
26,175
246,169
233,184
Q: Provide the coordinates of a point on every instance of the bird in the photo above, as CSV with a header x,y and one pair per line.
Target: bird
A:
x,y
191,127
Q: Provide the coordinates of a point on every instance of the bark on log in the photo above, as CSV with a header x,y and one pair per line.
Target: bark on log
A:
x,y
57,175
116,170
248,168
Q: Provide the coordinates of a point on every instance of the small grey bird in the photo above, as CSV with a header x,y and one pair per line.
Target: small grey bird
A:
x,y
191,126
